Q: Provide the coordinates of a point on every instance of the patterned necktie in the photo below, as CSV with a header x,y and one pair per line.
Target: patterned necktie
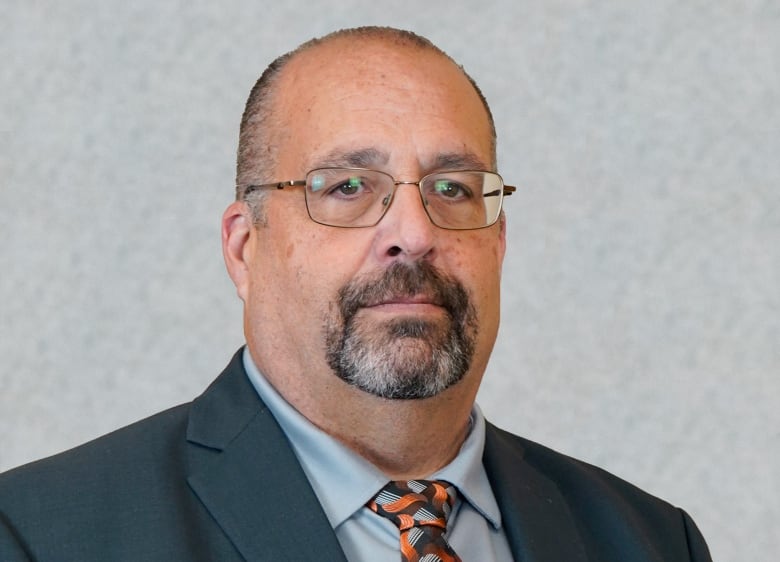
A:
x,y
419,508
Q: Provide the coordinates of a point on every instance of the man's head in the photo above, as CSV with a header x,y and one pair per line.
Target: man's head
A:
x,y
260,123
400,309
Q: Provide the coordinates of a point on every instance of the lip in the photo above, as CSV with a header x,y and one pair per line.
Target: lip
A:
x,y
420,298
406,308
417,304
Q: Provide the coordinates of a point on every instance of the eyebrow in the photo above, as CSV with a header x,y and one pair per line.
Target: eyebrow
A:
x,y
374,158
361,158
459,161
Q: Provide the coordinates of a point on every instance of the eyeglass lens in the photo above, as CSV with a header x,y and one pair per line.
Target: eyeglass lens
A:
x,y
354,198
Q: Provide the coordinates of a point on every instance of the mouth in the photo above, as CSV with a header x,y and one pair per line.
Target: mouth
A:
x,y
415,304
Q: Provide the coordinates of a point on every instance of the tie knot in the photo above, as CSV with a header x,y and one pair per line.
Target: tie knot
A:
x,y
415,503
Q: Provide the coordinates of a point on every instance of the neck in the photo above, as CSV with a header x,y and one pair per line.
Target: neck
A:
x,y
405,439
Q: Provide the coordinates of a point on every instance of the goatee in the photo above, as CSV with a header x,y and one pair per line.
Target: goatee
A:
x,y
406,357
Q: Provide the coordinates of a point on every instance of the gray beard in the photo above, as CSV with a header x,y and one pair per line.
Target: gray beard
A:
x,y
406,357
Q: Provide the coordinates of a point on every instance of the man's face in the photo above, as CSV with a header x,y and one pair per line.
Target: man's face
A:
x,y
403,309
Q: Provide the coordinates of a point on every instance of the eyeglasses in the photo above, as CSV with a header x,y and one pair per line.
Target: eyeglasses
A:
x,y
356,197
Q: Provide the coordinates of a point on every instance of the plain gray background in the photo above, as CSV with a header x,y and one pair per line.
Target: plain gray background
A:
x,y
640,302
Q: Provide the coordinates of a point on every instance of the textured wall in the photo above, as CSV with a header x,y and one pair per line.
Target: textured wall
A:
x,y
641,296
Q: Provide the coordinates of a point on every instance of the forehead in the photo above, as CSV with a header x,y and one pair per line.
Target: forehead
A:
x,y
381,102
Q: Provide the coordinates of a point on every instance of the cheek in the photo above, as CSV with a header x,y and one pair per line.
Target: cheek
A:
x,y
478,258
309,274
479,265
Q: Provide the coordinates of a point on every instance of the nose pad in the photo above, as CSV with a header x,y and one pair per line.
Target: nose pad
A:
x,y
418,195
387,199
407,233
390,196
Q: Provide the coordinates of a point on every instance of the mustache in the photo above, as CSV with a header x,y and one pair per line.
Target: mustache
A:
x,y
402,280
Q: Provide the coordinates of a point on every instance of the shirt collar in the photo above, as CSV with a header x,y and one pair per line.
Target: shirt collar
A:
x,y
344,481
468,474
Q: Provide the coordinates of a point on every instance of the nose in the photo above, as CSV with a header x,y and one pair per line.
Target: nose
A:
x,y
405,233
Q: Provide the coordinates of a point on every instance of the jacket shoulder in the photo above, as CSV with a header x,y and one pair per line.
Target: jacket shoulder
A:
x,y
126,495
112,457
613,518
568,473
147,447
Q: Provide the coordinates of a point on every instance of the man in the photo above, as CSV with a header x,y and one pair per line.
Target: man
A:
x,y
366,243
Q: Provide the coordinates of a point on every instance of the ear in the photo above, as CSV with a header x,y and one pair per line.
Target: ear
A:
x,y
502,239
237,239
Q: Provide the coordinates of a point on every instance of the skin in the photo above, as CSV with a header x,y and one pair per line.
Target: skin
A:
x,y
409,113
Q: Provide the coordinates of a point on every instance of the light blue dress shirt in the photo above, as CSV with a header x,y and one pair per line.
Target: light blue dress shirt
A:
x,y
344,482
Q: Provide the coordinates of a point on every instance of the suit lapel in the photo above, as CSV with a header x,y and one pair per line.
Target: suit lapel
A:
x,y
243,470
535,516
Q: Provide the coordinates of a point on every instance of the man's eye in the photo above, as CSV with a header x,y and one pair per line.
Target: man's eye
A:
x,y
351,186
450,189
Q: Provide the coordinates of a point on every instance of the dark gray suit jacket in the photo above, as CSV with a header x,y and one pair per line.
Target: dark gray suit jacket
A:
x,y
216,480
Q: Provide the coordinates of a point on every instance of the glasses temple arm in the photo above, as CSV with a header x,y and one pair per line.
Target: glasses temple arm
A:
x,y
277,185
507,190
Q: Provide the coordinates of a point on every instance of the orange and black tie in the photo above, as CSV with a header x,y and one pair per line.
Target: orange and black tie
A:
x,y
419,508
